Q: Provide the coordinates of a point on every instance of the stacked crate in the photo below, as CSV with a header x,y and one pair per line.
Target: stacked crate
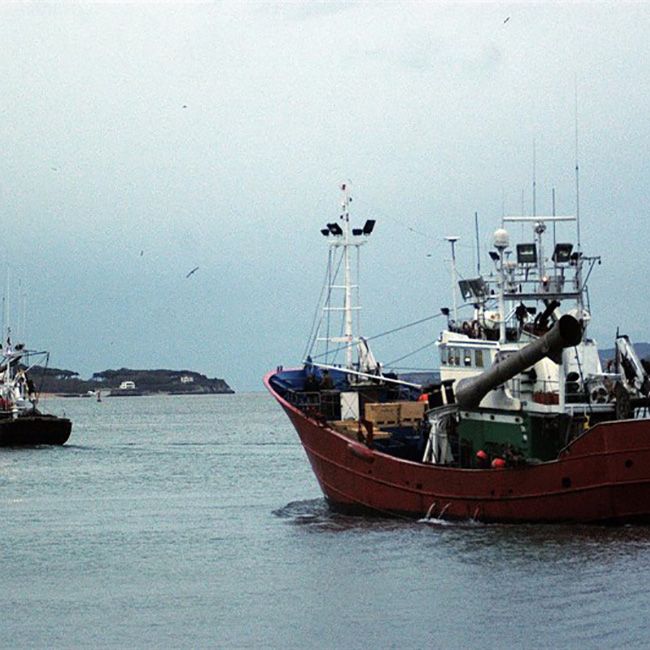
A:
x,y
395,414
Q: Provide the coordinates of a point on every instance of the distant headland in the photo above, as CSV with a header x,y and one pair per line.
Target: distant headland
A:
x,y
126,382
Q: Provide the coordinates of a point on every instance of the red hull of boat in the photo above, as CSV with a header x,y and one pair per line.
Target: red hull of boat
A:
x,y
603,476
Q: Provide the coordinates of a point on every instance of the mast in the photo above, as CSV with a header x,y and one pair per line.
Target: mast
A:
x,y
553,201
579,249
342,236
347,304
534,182
5,310
577,168
452,239
22,324
501,242
540,229
478,246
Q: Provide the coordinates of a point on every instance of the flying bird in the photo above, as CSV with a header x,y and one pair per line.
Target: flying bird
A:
x,y
194,270
506,20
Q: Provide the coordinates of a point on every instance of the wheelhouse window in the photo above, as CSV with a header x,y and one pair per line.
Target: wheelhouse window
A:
x,y
478,358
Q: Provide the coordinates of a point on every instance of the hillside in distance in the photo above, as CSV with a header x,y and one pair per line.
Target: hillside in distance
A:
x,y
170,382
173,382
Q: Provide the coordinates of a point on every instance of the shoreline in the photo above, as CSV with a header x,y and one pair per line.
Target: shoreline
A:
x,y
117,394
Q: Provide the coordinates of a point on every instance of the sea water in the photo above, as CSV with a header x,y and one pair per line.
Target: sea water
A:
x,y
195,522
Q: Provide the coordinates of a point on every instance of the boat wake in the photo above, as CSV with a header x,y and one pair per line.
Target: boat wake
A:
x,y
435,522
319,514
304,512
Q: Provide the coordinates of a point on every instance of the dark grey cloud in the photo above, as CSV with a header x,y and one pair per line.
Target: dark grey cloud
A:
x,y
215,135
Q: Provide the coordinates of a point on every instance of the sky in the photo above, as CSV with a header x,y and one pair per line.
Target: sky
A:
x,y
140,141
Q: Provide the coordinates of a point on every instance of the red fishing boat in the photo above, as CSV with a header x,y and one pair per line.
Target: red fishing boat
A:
x,y
523,424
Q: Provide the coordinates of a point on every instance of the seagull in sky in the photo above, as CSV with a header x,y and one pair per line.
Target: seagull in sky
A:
x,y
506,20
194,270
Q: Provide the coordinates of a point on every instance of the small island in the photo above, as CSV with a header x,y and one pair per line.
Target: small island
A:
x,y
126,382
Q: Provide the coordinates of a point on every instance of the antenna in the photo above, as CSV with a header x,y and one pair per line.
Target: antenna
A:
x,y
478,247
452,239
534,182
23,315
501,242
575,84
5,306
553,202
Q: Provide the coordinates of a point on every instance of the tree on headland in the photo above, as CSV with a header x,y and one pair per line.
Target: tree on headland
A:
x,y
57,380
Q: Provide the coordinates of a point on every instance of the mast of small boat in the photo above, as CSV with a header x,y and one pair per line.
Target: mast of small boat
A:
x,y
5,313
6,342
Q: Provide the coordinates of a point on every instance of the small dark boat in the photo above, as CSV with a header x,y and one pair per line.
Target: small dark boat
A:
x,y
21,422
34,429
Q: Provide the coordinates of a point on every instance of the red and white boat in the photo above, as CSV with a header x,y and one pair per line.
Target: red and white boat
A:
x,y
524,424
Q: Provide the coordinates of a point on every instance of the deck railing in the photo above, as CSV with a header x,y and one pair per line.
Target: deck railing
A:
x,y
323,403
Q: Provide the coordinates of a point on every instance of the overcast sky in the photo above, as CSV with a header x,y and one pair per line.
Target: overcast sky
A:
x,y
141,141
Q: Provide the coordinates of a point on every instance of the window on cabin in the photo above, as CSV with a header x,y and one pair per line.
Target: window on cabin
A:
x,y
467,357
443,356
478,358
457,357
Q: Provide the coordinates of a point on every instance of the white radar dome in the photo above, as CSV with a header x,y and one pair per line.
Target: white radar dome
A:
x,y
501,238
